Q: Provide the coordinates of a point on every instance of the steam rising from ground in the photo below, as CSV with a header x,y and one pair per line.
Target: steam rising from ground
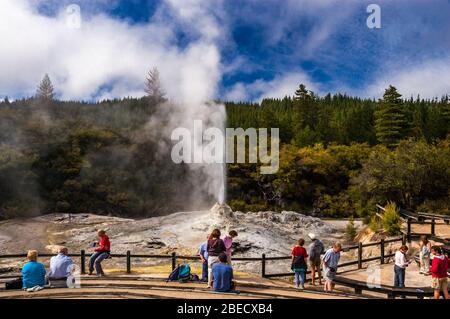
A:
x,y
108,58
210,177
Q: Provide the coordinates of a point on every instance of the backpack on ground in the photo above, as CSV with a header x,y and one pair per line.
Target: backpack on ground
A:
x,y
174,274
184,273
14,284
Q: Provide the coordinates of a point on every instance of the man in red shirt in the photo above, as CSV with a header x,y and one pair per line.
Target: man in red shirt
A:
x,y
102,251
439,267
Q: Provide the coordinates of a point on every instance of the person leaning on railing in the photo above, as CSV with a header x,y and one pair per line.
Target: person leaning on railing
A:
x,y
102,251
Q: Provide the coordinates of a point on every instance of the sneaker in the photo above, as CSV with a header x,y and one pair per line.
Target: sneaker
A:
x,y
303,286
35,288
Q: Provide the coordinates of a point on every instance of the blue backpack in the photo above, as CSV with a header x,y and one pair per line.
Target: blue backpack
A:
x,y
184,274
181,273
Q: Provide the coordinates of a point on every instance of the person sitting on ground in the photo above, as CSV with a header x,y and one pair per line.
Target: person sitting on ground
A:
x,y
215,247
330,265
33,273
439,268
102,251
222,274
299,266
401,262
61,267
228,241
424,255
316,249
203,253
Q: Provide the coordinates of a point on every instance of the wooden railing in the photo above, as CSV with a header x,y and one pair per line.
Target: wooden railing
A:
x,y
263,259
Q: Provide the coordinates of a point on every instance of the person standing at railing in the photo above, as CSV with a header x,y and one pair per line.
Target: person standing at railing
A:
x,y
330,266
102,251
228,241
439,268
299,266
203,253
33,273
424,255
401,262
316,249
215,247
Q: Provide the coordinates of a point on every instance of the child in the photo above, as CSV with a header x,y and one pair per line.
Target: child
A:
x,y
424,255
401,262
299,266
228,241
438,271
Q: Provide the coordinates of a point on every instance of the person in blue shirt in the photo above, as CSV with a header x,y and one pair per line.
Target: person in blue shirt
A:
x,y
222,274
203,253
61,266
33,272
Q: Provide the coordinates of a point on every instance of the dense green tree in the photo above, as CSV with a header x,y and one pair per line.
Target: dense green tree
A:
x,y
390,122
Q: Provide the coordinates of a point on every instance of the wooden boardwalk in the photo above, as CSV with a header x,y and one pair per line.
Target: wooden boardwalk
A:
x,y
129,286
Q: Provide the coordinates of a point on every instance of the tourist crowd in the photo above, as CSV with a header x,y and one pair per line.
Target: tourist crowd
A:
x,y
216,258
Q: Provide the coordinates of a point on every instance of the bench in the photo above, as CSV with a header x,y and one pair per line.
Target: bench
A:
x,y
390,291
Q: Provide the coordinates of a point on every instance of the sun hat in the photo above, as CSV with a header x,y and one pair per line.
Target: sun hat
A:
x,y
312,236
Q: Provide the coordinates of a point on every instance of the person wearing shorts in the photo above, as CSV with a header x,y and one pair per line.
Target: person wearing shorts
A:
x,y
439,266
330,265
315,249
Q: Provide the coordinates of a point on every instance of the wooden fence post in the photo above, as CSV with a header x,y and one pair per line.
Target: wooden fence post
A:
x,y
433,226
263,265
360,248
408,233
382,251
128,262
83,262
174,260
403,239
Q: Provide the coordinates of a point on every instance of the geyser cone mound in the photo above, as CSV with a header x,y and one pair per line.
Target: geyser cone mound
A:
x,y
222,210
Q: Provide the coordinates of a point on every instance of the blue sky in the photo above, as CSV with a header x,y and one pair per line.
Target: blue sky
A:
x,y
255,48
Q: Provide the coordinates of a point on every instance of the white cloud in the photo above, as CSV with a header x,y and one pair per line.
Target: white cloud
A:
x,y
430,79
279,87
107,52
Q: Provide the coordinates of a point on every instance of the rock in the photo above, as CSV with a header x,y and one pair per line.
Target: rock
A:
x,y
154,244
242,247
287,217
222,209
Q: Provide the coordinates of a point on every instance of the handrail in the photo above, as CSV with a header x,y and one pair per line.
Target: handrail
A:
x,y
263,259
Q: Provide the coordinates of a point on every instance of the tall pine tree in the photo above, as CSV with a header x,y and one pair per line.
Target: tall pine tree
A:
x,y
390,121
45,89
304,116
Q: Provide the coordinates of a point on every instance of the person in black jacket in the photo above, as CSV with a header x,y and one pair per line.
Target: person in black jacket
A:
x,y
215,247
